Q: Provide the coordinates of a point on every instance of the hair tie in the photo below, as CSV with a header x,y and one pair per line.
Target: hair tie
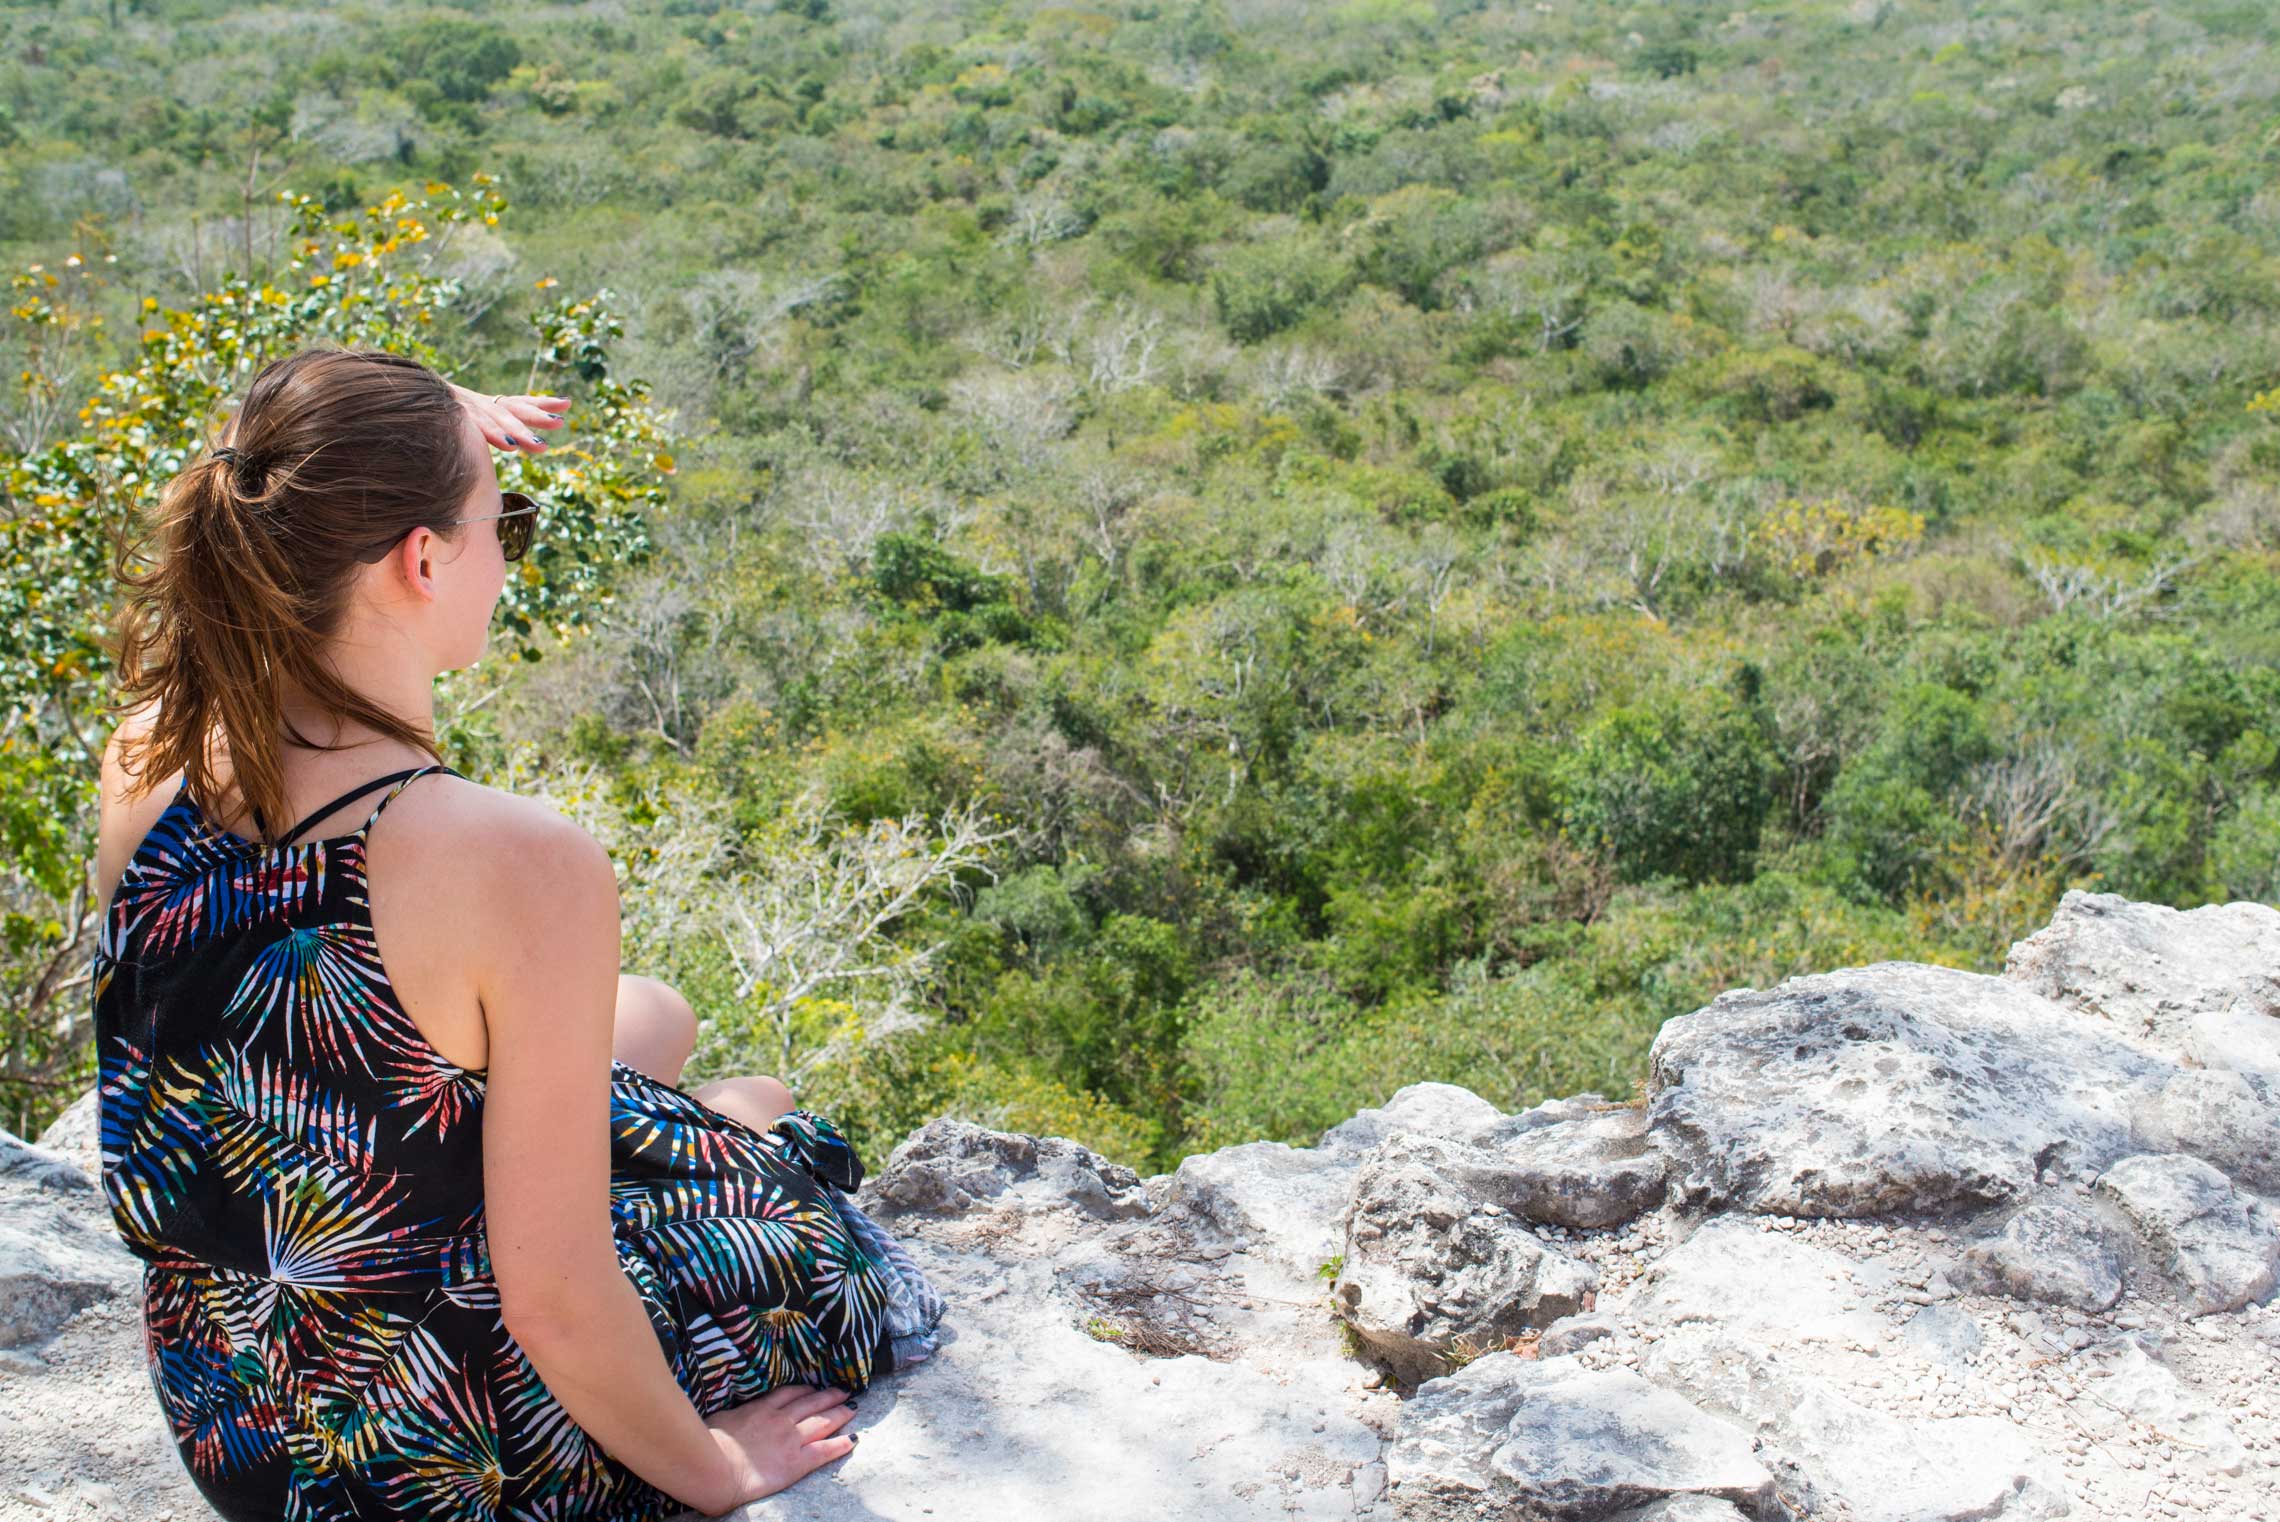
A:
x,y
229,452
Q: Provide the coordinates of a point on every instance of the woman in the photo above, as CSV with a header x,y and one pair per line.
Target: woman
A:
x,y
427,1230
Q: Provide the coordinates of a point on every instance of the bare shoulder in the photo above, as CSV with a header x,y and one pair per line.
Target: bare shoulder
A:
x,y
125,807
131,728
505,839
508,854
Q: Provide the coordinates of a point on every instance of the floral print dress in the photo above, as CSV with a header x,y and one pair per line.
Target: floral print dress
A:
x,y
301,1174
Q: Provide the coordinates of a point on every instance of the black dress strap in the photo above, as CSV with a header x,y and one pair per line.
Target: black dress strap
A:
x,y
350,796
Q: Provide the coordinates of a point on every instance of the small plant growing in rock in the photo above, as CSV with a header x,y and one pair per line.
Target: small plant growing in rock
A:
x,y
1332,1269
1460,1352
1464,1350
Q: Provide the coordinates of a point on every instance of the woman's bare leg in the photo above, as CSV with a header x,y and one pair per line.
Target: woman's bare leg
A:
x,y
757,1101
656,1029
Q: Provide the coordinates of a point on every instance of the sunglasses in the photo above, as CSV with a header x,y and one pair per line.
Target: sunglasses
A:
x,y
517,526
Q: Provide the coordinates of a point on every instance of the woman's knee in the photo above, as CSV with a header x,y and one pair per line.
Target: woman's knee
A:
x,y
755,1099
656,1027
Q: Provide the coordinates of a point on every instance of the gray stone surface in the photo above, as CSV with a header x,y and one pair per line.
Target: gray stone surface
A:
x,y
2218,1116
1685,1509
1944,1334
1834,1457
77,1133
1576,1164
1430,1267
2202,985
1763,1285
1421,1109
2219,1246
947,1166
2144,1388
1283,1202
1892,1087
1571,1332
58,1253
1544,1438
2051,1249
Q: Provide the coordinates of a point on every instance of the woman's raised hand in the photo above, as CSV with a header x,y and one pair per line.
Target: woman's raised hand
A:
x,y
508,421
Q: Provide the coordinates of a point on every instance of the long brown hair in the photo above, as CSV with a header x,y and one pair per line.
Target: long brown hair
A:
x,y
338,452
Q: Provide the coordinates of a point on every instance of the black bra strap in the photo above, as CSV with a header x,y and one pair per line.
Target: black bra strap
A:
x,y
350,796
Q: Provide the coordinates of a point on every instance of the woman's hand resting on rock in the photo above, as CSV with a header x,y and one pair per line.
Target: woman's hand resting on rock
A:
x,y
778,1438
508,421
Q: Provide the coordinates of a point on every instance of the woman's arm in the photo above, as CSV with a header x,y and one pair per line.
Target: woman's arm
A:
x,y
549,987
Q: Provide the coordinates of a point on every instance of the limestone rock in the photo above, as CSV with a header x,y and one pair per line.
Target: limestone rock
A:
x,y
1943,1333
2144,1387
1284,1205
1685,1509
77,1133
949,1166
58,1252
1547,1438
1571,1332
1761,1284
2202,985
1280,1201
1125,1349
1891,1087
2050,1250
2218,1116
1426,1266
1575,1163
1833,1457
1421,1109
2219,1246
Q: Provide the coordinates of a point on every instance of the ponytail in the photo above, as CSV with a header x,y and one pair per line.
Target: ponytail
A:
x,y
333,454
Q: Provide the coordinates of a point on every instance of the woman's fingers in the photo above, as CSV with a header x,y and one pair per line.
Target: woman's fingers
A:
x,y
824,1423
525,413
511,422
806,1398
538,411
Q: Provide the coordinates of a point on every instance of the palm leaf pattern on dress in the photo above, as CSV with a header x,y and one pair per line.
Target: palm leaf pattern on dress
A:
x,y
674,1131
318,1239
430,1088
552,1444
842,1278
326,982
738,1351
818,1146
152,1132
196,882
223,1421
266,1118
738,1231
344,1352
443,1458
